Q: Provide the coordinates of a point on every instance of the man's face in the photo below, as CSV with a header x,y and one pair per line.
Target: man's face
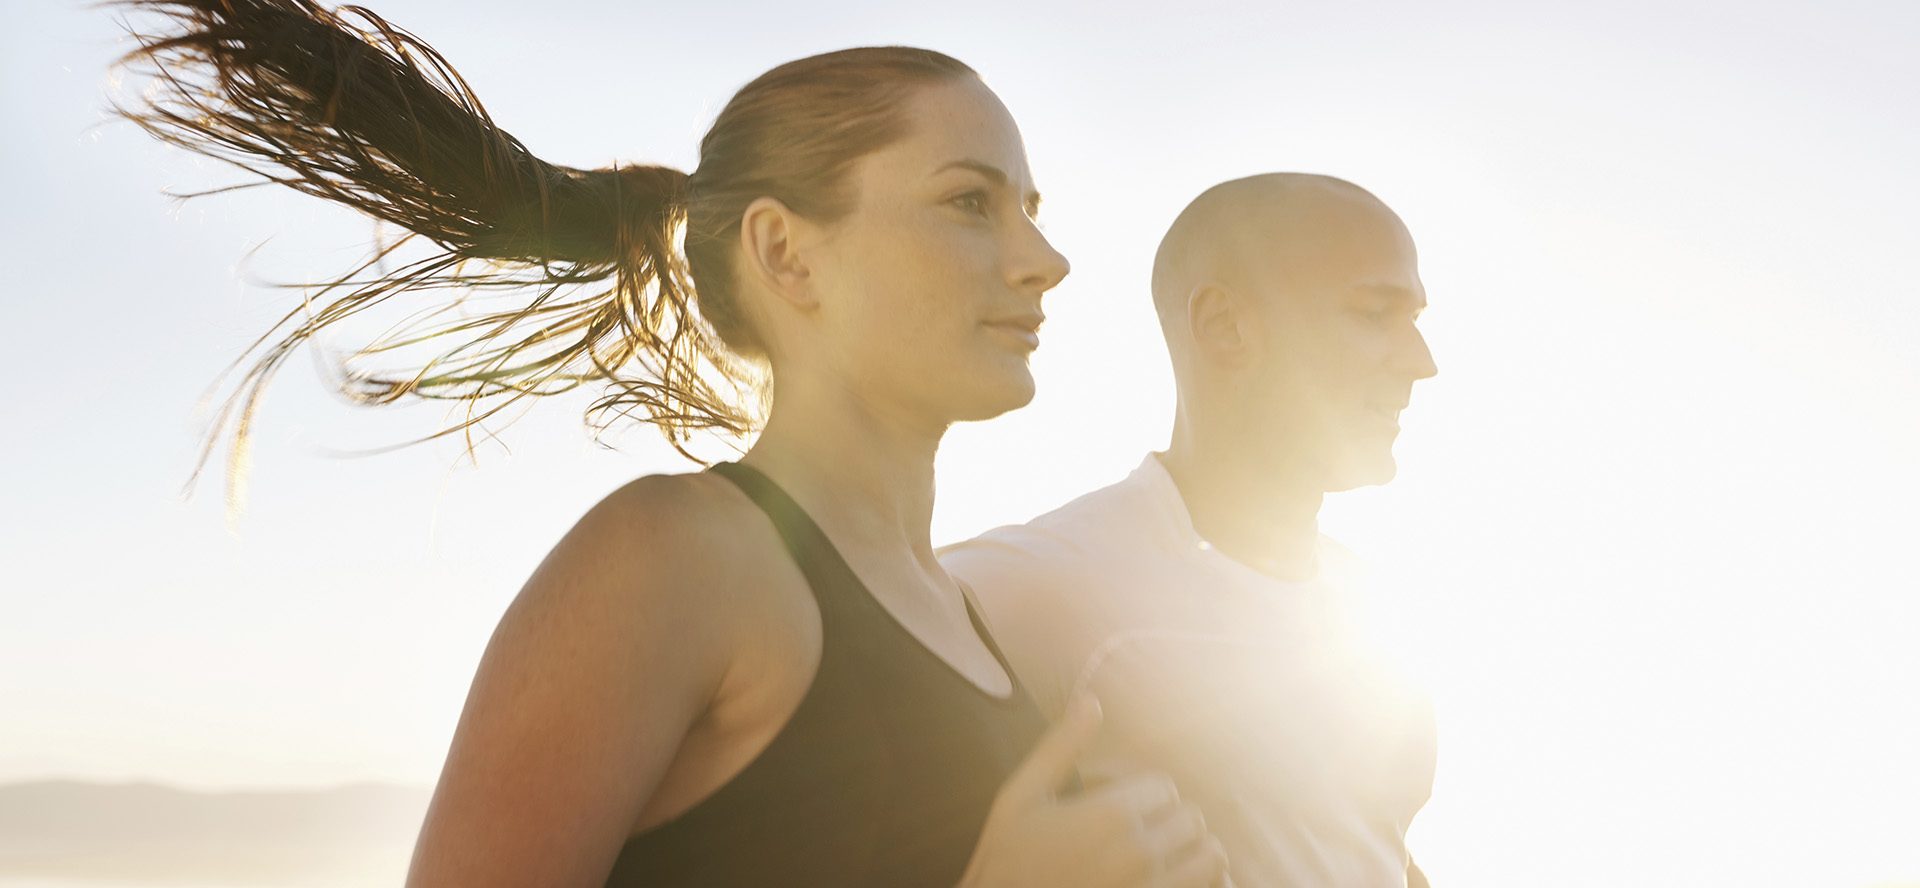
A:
x,y
1338,304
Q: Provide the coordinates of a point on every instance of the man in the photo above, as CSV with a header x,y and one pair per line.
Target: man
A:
x,y
1196,599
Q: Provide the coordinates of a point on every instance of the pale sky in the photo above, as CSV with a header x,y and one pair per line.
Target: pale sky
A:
x,y
1652,535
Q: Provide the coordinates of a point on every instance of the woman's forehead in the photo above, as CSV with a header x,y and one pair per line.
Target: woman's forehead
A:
x,y
960,124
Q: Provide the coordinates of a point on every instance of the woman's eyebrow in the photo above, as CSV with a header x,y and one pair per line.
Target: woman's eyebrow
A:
x,y
992,174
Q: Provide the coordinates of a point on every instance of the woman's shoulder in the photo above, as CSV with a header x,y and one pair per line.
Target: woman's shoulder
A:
x,y
683,507
657,573
673,530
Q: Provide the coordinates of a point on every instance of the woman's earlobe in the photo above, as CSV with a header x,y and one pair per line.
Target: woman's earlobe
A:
x,y
768,237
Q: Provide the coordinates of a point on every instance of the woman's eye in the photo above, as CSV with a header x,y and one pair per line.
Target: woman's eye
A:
x,y
974,202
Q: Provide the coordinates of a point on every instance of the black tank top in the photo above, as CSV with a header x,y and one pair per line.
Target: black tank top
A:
x,y
883,775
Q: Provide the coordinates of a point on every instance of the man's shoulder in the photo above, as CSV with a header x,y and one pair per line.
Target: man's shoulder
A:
x,y
1076,534
1051,588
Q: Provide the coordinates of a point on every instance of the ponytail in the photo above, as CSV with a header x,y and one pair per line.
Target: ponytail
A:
x,y
344,105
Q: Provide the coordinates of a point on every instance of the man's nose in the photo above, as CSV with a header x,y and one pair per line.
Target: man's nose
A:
x,y
1417,358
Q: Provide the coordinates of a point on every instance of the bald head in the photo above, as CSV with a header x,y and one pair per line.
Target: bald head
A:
x,y
1253,235
1289,303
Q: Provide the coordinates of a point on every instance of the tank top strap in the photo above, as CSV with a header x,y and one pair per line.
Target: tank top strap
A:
x,y
842,597
986,636
819,562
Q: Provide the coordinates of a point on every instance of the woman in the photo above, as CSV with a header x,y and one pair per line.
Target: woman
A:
x,y
755,674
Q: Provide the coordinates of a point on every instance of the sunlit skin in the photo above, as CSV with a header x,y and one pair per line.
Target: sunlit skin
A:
x,y
917,310
669,637
927,298
1290,303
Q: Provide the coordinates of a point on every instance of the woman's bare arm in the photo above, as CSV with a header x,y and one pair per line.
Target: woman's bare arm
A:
x,y
595,674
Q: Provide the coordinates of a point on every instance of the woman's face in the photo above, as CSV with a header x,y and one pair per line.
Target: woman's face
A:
x,y
929,289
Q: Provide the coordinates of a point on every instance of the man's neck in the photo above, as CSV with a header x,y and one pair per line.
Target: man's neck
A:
x,y
1245,508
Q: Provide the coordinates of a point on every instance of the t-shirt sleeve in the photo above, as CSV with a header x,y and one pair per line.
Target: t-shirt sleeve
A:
x,y
1023,585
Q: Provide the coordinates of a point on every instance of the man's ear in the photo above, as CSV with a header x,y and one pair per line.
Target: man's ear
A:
x,y
1221,327
770,239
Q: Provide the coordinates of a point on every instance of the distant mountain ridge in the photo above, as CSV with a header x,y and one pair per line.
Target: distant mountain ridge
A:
x,y
346,836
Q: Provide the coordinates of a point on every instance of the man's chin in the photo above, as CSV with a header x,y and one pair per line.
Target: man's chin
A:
x,y
1362,471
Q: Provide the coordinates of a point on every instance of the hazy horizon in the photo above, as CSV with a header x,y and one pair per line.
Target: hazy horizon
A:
x,y
66,832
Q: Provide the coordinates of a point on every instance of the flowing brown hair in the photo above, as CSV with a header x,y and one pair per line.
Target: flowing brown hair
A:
x,y
344,105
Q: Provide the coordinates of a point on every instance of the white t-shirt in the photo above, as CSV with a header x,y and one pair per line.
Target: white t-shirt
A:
x,y
1264,700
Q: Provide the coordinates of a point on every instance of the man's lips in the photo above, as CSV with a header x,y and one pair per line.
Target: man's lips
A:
x,y
1387,412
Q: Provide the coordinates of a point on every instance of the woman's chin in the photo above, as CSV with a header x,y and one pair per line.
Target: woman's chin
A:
x,y
992,394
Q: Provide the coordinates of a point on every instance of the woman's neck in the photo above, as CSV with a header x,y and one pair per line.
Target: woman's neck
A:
x,y
857,467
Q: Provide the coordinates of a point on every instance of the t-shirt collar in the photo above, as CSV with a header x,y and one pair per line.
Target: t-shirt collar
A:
x,y
1152,477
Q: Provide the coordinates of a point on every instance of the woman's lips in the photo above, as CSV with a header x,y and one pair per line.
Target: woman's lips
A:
x,y
1024,330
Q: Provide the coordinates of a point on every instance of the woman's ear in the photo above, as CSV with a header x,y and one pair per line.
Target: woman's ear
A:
x,y
770,239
